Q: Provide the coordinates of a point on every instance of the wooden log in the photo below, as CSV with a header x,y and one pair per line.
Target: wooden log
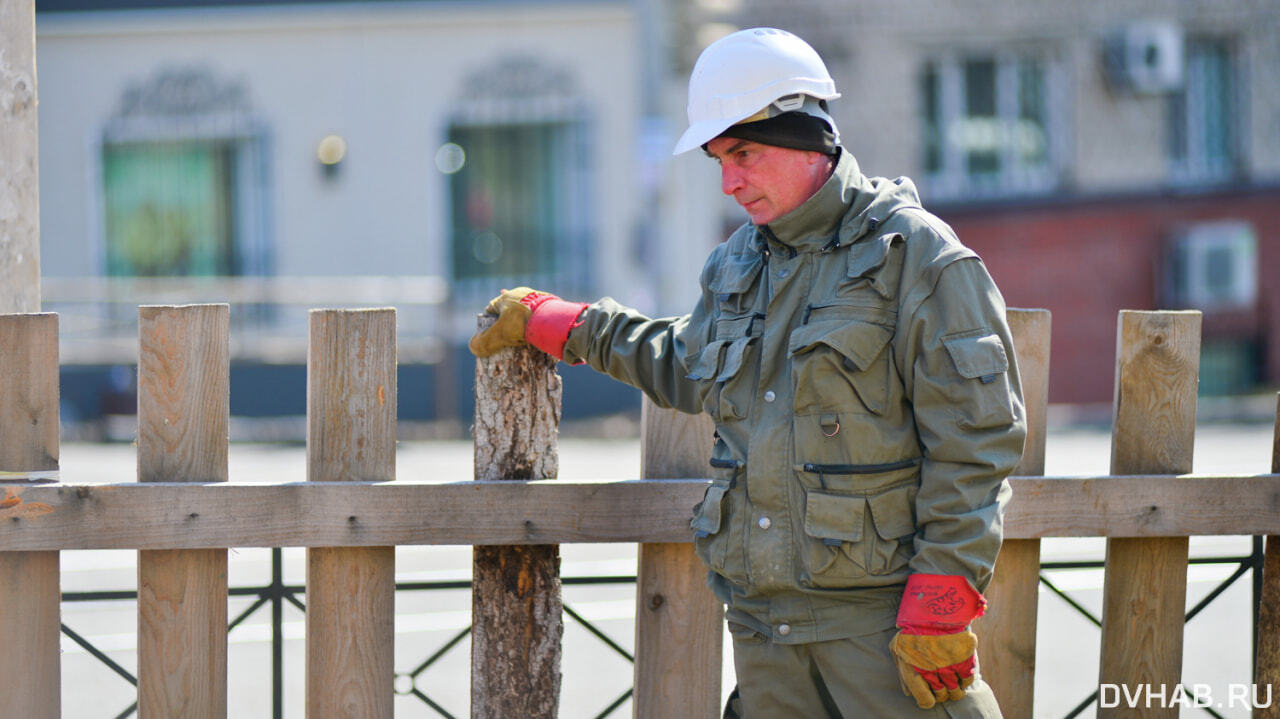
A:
x,y
1007,634
679,622
183,414
1145,589
351,434
516,607
1267,664
29,582
19,171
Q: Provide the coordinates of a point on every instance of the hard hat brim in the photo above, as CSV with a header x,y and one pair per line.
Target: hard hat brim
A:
x,y
700,134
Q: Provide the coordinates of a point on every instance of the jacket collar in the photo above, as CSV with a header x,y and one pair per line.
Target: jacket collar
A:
x,y
815,223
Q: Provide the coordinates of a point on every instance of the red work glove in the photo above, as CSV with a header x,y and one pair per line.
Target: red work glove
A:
x,y
934,649
524,315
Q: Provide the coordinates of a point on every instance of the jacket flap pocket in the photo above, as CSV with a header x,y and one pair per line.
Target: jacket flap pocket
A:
x,y
894,512
708,362
733,358
833,516
860,342
735,274
869,254
706,515
977,355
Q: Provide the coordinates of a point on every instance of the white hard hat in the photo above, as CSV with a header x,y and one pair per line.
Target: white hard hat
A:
x,y
752,71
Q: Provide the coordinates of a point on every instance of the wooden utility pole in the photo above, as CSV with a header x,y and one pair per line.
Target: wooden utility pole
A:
x,y
19,179
516,673
29,581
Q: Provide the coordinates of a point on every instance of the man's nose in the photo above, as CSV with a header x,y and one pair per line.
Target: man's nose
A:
x,y
730,179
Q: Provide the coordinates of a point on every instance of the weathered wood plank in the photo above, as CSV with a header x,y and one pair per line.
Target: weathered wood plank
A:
x,y
1144,596
1007,634
351,433
679,622
175,516
517,417
28,392
184,392
29,582
1267,664
183,413
19,172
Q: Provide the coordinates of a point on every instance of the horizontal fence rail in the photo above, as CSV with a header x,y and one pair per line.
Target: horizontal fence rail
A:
x,y
160,515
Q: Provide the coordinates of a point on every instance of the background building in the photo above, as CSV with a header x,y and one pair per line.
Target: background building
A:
x,y
1099,156
423,154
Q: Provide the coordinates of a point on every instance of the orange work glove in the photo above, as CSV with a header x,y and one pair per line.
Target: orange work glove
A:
x,y
935,652
527,316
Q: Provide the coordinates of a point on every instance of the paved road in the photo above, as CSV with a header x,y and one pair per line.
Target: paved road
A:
x,y
1217,641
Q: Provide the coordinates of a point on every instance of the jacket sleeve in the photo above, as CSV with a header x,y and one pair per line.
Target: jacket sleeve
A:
x,y
648,354
962,378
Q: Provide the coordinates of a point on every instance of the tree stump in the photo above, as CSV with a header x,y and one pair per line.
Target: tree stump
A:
x,y
517,613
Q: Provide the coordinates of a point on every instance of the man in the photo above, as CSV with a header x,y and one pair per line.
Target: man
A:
x,y
858,365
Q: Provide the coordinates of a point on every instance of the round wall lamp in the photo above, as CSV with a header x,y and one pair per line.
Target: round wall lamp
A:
x,y
330,152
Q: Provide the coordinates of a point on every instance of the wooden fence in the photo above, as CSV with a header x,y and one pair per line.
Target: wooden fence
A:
x,y
183,514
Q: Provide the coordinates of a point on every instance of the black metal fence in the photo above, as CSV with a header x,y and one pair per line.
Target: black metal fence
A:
x,y
274,595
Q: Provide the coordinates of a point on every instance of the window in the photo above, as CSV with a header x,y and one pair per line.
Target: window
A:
x,y
988,129
1203,144
509,199
183,180
516,159
169,209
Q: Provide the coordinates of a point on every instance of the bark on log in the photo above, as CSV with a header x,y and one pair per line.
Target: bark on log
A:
x,y
517,613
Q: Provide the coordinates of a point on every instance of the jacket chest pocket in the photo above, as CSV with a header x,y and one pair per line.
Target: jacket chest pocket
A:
x,y
851,537
728,363
841,366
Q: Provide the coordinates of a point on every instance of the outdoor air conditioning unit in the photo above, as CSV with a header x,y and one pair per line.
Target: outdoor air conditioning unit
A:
x,y
1212,266
1144,57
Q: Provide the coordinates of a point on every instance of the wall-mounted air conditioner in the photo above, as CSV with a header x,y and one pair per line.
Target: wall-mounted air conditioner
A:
x,y
1212,266
1144,57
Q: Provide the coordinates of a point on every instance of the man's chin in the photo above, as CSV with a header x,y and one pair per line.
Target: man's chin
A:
x,y
761,216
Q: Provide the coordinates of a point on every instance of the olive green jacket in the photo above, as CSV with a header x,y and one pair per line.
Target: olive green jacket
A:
x,y
858,365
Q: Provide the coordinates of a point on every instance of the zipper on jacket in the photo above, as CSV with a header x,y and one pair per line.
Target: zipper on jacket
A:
x,y
824,469
859,468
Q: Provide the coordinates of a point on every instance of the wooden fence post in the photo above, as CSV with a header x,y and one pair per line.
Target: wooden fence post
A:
x,y
19,173
1007,634
1144,595
1267,667
351,436
183,414
679,622
30,593
516,607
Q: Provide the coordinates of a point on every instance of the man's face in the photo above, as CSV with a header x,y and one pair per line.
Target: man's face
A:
x,y
768,181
